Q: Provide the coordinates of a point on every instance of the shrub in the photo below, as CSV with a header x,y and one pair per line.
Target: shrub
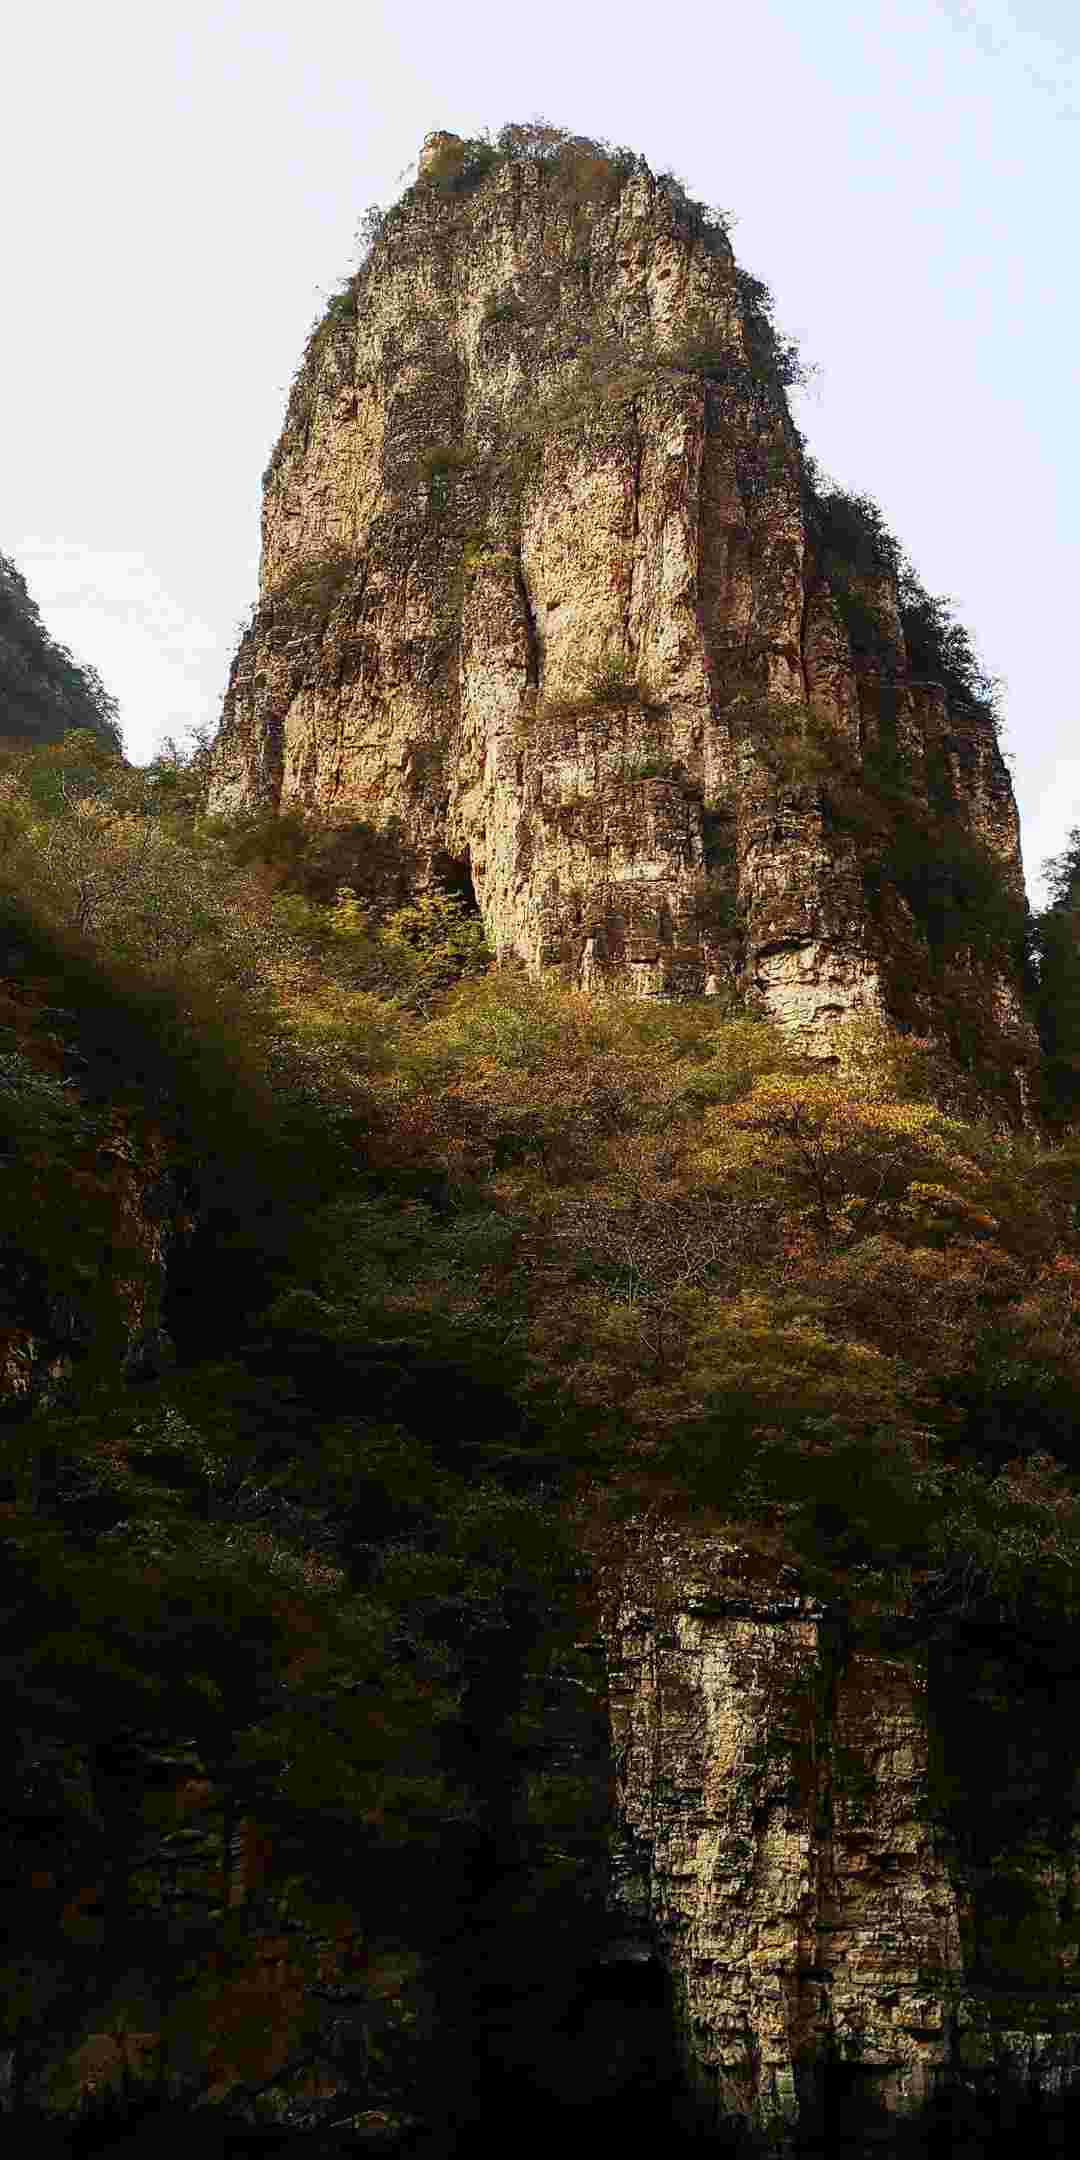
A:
x,y
407,957
852,530
311,590
584,168
711,223
856,545
612,685
909,840
306,855
369,229
436,467
654,767
458,167
507,309
715,909
703,348
718,836
771,356
341,306
608,375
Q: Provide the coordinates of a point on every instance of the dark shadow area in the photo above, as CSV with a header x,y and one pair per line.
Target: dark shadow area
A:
x,y
964,2123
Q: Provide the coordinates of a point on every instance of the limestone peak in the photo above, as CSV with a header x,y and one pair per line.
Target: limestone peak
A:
x,y
547,588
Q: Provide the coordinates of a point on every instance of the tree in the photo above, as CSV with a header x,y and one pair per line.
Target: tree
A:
x,y
652,1233
821,1139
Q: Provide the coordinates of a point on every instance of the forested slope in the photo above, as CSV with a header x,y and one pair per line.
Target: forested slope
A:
x,y
361,1304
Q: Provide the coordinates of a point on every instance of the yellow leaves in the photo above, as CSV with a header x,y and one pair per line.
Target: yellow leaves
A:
x,y
848,1149
823,1103
797,1366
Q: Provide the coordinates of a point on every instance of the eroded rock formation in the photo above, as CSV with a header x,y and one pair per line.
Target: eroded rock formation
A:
x,y
855,1857
544,589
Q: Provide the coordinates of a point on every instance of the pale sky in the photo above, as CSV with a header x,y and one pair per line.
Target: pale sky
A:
x,y
181,184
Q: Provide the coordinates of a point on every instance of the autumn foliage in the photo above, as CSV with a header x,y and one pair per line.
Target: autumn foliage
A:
x,y
462,1274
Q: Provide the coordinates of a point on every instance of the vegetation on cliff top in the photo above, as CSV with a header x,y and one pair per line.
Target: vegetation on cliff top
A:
x,y
859,556
465,1276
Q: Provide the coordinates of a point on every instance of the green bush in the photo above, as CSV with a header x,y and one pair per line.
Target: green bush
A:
x,y
459,167
772,357
858,548
314,858
507,310
436,468
715,908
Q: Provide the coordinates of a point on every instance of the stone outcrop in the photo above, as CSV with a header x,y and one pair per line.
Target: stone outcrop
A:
x,y
788,1845
543,588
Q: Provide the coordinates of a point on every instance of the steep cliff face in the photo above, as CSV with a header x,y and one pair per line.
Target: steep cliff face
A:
x,y
546,588
856,1859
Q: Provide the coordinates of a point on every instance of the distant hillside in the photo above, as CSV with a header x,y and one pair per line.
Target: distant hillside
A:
x,y
44,690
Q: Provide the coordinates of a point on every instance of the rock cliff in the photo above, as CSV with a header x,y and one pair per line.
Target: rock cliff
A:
x,y
853,1852
547,590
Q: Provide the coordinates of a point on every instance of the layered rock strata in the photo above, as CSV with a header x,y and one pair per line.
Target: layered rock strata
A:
x,y
787,1845
542,590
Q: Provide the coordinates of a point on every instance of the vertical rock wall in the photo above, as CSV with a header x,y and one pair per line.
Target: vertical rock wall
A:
x,y
566,587
787,1845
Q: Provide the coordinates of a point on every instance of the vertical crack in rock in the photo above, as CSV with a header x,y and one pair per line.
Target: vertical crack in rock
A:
x,y
532,672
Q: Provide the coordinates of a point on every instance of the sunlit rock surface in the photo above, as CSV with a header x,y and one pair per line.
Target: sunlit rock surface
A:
x,y
570,588
795,1841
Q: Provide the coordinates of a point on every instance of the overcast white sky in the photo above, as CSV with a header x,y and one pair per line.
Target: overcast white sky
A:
x,y
181,184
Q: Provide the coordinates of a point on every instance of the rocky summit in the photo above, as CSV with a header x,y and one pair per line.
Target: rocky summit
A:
x,y
549,590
